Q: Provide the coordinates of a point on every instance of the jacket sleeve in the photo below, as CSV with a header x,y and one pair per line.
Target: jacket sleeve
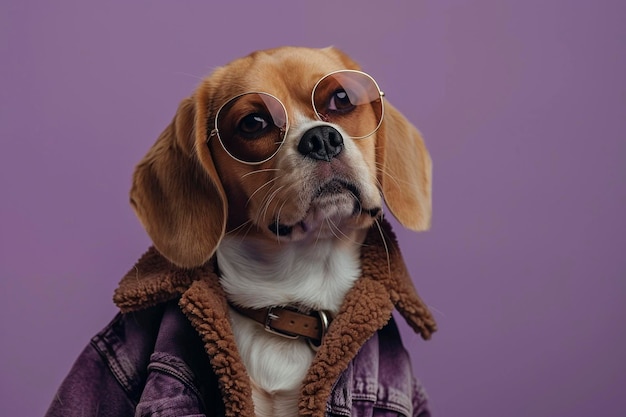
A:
x,y
90,390
420,400
109,375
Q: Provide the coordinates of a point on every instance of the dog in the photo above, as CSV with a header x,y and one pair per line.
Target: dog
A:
x,y
296,150
278,165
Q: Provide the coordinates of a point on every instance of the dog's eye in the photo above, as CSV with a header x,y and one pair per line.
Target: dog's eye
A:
x,y
340,102
253,124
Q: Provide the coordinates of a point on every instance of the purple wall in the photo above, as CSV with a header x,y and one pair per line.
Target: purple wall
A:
x,y
523,107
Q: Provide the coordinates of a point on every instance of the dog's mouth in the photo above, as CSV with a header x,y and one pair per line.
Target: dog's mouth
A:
x,y
333,202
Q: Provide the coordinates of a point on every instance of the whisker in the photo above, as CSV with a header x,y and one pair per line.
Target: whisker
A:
x,y
259,189
278,219
245,234
382,235
264,202
317,238
436,310
197,77
388,174
258,171
280,209
356,198
269,200
343,236
334,228
242,225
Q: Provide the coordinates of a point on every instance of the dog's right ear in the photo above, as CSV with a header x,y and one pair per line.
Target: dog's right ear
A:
x,y
179,200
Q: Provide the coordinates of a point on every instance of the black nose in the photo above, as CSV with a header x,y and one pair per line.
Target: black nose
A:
x,y
321,142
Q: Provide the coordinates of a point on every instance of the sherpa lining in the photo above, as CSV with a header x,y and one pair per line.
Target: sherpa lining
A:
x,y
367,307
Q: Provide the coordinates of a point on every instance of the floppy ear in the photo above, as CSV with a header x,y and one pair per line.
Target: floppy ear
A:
x,y
405,170
179,200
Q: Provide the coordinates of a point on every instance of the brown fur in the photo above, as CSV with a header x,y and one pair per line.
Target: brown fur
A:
x,y
184,191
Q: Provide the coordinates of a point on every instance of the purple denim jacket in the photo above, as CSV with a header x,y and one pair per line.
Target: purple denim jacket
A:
x,y
171,352
152,363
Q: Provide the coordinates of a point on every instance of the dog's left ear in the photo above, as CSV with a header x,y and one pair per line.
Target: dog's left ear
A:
x,y
405,170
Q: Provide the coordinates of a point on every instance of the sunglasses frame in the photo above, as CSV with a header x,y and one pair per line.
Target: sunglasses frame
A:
x,y
215,130
381,94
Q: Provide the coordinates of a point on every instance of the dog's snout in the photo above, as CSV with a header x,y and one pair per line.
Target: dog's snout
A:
x,y
321,142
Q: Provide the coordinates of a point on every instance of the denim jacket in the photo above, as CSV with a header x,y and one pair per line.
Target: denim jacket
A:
x,y
171,352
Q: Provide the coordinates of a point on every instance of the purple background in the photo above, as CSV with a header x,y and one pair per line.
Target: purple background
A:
x,y
523,107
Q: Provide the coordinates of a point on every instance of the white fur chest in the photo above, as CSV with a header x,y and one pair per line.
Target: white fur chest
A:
x,y
312,276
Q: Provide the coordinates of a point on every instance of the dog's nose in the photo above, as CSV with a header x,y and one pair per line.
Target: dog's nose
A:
x,y
321,142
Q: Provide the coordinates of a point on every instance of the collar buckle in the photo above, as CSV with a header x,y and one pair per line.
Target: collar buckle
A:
x,y
324,320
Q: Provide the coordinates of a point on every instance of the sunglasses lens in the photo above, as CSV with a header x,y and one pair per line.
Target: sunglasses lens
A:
x,y
251,127
350,99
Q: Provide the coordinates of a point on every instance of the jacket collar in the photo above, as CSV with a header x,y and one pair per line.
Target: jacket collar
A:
x,y
383,285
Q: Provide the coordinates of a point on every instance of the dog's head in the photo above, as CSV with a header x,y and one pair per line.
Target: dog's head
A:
x,y
288,145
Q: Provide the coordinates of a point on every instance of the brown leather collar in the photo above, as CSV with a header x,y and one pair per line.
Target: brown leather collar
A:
x,y
289,322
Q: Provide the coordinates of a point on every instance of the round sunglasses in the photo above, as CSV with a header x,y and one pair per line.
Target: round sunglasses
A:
x,y
252,126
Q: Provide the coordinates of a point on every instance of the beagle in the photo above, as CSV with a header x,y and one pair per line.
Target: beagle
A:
x,y
278,164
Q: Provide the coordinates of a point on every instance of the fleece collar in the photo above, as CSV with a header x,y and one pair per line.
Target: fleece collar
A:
x,y
383,285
